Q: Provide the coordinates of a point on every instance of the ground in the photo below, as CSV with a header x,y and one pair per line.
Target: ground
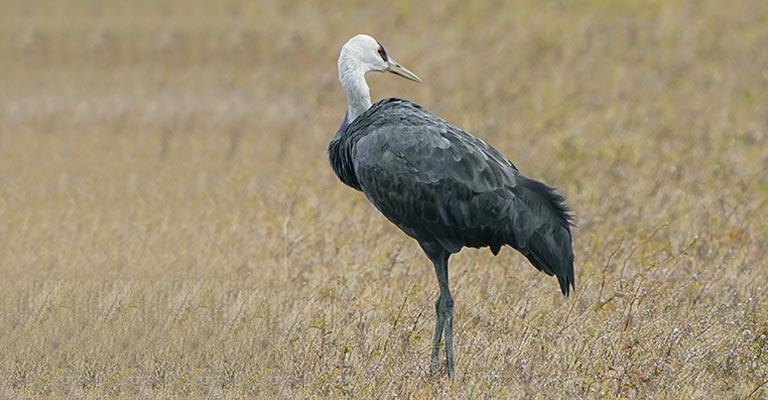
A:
x,y
170,226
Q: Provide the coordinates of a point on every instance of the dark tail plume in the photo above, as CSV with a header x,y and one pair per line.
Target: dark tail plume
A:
x,y
549,246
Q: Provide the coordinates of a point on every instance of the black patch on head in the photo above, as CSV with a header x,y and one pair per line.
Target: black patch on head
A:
x,y
382,52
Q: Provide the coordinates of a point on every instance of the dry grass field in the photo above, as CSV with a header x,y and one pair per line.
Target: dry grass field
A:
x,y
170,227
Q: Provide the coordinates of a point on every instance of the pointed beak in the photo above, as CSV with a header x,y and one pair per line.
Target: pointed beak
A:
x,y
397,69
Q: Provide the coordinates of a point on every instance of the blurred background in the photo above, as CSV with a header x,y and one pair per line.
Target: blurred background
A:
x,y
169,224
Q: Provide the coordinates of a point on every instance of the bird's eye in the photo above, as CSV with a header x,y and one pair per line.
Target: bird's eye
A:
x,y
382,53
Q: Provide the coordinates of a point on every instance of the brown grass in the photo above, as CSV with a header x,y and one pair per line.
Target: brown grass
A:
x,y
169,226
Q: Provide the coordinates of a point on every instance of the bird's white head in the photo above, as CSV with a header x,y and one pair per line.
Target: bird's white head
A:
x,y
360,55
366,54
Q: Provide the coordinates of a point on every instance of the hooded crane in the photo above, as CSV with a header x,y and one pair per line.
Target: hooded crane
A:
x,y
441,185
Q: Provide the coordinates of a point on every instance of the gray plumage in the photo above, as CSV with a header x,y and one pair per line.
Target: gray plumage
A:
x,y
440,185
443,186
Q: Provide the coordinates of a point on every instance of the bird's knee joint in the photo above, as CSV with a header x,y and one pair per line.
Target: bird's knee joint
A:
x,y
444,305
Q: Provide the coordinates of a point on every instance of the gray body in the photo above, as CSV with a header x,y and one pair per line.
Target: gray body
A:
x,y
448,189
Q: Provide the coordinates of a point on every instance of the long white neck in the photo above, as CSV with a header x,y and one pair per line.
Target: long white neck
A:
x,y
352,78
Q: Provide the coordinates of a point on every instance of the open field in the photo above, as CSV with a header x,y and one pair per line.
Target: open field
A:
x,y
170,227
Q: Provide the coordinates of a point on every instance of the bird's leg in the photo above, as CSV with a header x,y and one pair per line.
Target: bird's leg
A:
x,y
443,309
439,324
448,328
